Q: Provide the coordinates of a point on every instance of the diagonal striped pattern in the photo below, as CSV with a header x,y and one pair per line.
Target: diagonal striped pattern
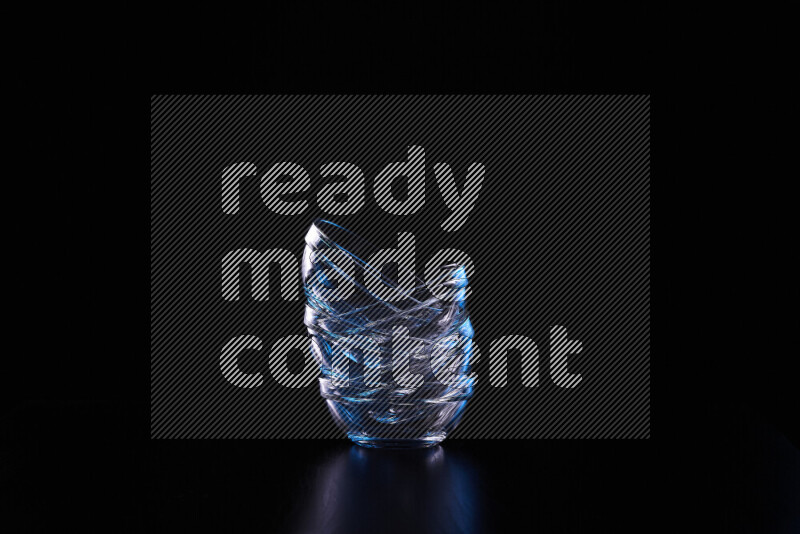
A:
x,y
402,257
259,263
343,198
414,169
529,361
461,203
404,350
558,236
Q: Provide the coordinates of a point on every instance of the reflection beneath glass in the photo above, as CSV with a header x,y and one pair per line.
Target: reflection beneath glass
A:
x,y
373,490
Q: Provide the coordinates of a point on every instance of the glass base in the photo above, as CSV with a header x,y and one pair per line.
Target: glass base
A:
x,y
394,443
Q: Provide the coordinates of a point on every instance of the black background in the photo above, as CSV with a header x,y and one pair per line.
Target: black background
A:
x,y
75,447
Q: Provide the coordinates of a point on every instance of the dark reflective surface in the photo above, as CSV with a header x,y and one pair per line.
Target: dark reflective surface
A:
x,y
88,466
366,490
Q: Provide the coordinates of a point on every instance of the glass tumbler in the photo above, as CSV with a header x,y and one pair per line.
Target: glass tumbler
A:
x,y
395,361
